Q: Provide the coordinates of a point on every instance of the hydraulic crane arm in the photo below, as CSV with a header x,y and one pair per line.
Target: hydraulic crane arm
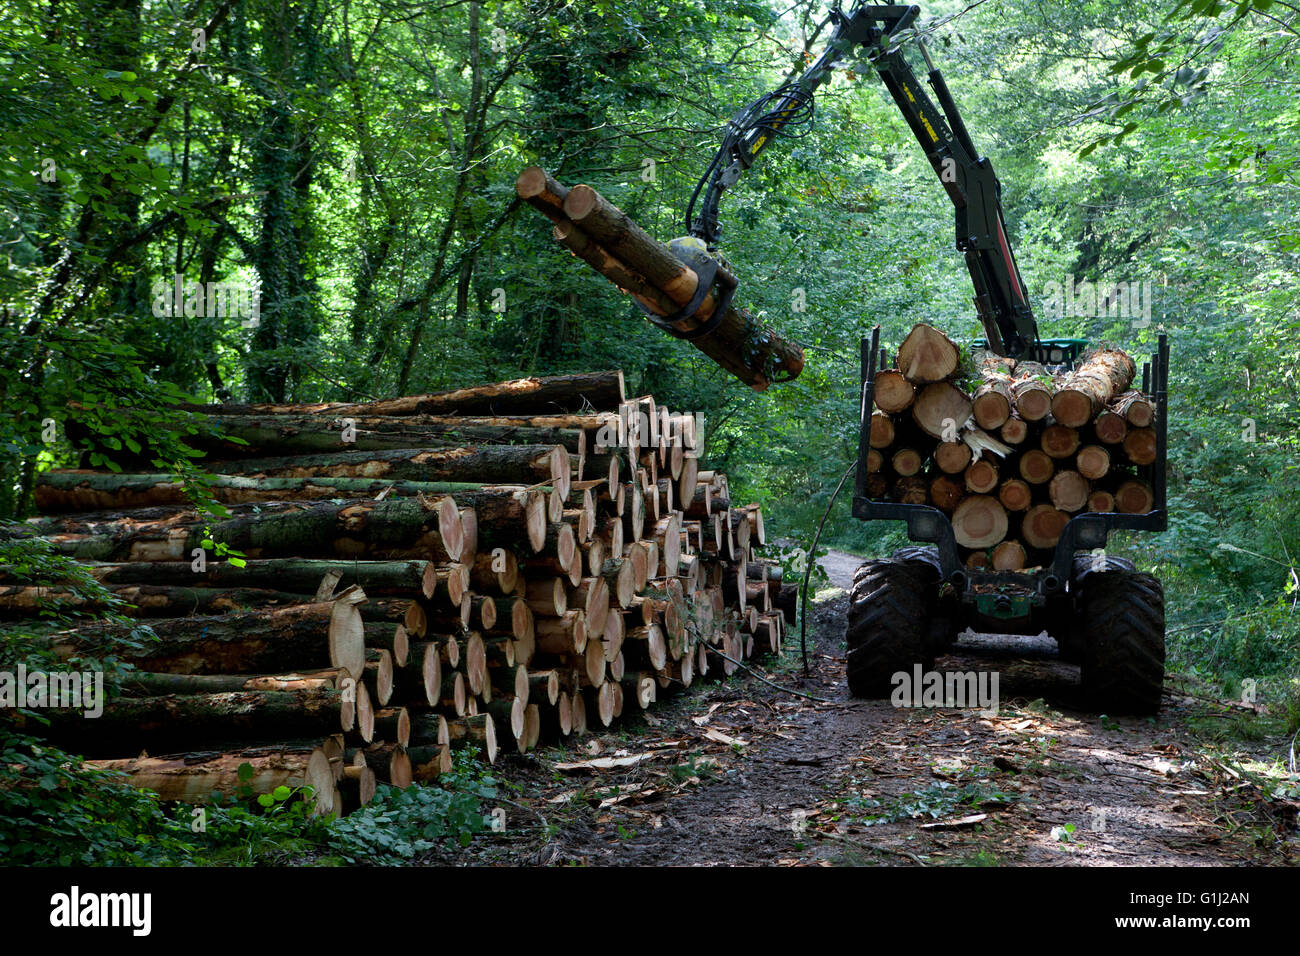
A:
x,y
1001,298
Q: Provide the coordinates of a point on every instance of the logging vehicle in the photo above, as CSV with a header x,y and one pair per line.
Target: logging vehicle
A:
x,y
1104,614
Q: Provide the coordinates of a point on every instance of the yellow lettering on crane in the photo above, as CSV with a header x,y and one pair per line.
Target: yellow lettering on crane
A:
x,y
758,144
929,129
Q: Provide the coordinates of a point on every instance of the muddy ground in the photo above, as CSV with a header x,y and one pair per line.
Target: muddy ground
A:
x,y
740,773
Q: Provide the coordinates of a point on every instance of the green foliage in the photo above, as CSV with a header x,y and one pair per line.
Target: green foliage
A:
x,y
56,811
940,799
399,825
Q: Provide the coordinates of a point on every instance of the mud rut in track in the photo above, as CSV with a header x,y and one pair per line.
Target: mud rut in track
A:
x,y
739,773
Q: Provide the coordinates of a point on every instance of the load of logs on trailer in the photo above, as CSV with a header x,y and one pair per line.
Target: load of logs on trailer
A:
x,y
485,568
1015,454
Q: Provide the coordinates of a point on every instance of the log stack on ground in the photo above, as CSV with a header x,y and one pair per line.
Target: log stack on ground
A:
x,y
410,580
1013,450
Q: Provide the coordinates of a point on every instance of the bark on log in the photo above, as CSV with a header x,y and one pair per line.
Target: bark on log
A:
x,y
298,575
253,642
477,464
376,530
187,722
196,777
556,394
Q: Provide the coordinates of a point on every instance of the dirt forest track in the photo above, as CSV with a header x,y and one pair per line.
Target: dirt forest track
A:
x,y
741,773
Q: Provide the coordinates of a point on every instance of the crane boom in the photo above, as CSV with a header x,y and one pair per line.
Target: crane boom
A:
x,y
1001,298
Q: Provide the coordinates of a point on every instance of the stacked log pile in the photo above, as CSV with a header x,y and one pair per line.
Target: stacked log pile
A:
x,y
484,568
1014,454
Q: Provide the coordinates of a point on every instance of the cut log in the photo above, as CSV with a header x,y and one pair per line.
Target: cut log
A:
x,y
906,462
547,597
1036,467
882,430
1059,441
1109,427
254,642
195,777
382,530
1097,379
1069,490
941,410
1008,556
946,492
141,600
754,354
893,391
927,355
981,476
478,732
979,521
578,392
1015,495
175,723
144,684
911,491
298,575
952,457
1102,501
1031,390
1042,526
1014,430
1092,461
992,403
1141,445
480,464
1134,497
1136,409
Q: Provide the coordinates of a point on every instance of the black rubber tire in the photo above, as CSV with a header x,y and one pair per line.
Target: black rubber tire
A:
x,y
922,559
941,603
1072,633
1123,666
887,627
